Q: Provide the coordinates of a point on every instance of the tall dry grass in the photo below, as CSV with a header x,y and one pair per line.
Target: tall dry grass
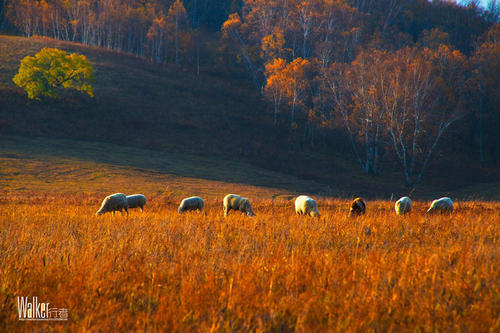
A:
x,y
157,271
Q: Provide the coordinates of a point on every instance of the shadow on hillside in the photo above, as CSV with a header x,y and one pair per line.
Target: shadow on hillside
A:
x,y
151,161
163,163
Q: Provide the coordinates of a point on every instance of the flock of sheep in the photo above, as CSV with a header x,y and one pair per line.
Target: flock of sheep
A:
x,y
304,205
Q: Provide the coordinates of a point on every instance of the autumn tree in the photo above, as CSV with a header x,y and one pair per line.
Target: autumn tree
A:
x,y
420,105
295,84
354,91
177,18
157,36
275,84
401,101
51,70
231,30
307,16
337,33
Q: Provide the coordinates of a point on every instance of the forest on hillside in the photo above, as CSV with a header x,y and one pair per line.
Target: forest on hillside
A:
x,y
397,80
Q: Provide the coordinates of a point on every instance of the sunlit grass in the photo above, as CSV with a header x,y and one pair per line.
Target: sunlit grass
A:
x,y
158,270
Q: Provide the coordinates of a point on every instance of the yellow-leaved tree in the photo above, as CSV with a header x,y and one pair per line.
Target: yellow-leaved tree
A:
x,y
52,69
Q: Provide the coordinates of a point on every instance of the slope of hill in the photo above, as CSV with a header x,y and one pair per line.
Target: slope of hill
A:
x,y
138,104
160,107
152,111
69,166
45,165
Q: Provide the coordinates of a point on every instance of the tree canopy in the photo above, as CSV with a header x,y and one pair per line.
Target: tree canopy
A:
x,y
52,69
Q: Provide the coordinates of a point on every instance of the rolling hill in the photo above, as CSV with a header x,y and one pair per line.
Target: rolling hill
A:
x,y
160,124
71,166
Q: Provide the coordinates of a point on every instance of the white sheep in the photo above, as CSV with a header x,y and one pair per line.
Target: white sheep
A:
x,y
403,206
112,203
191,203
235,202
358,207
136,200
442,205
306,206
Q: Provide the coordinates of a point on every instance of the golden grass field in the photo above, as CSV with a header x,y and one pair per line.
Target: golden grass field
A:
x,y
159,271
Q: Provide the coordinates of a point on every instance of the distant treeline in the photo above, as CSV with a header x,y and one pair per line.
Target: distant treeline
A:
x,y
155,29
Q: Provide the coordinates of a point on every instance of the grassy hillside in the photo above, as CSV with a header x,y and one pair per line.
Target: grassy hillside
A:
x,y
136,102
170,111
69,166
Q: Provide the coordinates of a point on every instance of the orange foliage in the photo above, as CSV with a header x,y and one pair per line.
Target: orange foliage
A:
x,y
275,83
285,80
232,24
272,45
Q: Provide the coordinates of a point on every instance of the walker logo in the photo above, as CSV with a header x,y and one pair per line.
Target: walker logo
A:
x,y
33,310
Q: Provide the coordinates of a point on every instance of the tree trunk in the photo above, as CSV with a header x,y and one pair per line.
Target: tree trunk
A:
x,y
176,42
312,136
276,107
197,59
194,23
304,45
481,134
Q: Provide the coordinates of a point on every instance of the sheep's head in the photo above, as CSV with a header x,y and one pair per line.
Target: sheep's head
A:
x,y
315,213
104,207
248,208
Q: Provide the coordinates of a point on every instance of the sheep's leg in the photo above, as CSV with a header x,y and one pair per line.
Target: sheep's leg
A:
x,y
126,209
142,209
226,211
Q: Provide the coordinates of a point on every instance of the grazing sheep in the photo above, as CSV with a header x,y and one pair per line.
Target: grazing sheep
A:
x,y
191,203
358,207
306,206
136,200
442,205
112,203
403,206
235,202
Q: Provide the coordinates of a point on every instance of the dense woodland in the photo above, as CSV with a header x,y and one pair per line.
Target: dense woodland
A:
x,y
397,80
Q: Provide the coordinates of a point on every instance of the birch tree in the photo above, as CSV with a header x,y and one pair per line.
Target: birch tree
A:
x,y
177,17
275,84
